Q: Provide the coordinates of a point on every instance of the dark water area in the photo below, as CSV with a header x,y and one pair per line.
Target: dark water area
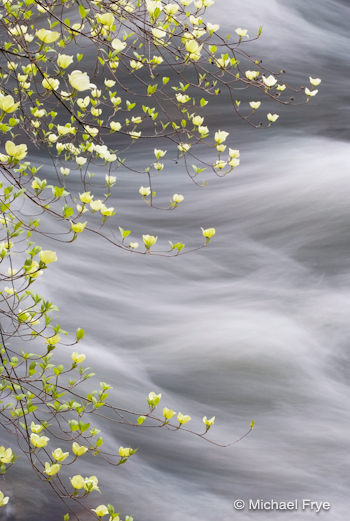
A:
x,y
256,326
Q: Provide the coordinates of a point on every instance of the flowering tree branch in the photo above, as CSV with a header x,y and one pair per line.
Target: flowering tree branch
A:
x,y
85,83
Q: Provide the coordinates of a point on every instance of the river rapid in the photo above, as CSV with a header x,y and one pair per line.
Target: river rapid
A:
x,y
254,327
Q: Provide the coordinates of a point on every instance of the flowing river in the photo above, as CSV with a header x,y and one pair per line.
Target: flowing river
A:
x,y
254,327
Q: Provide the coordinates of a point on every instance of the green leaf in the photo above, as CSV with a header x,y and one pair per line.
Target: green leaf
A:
x,y
4,128
13,121
74,425
197,169
80,333
99,442
67,211
59,191
124,233
151,89
83,426
177,246
83,12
